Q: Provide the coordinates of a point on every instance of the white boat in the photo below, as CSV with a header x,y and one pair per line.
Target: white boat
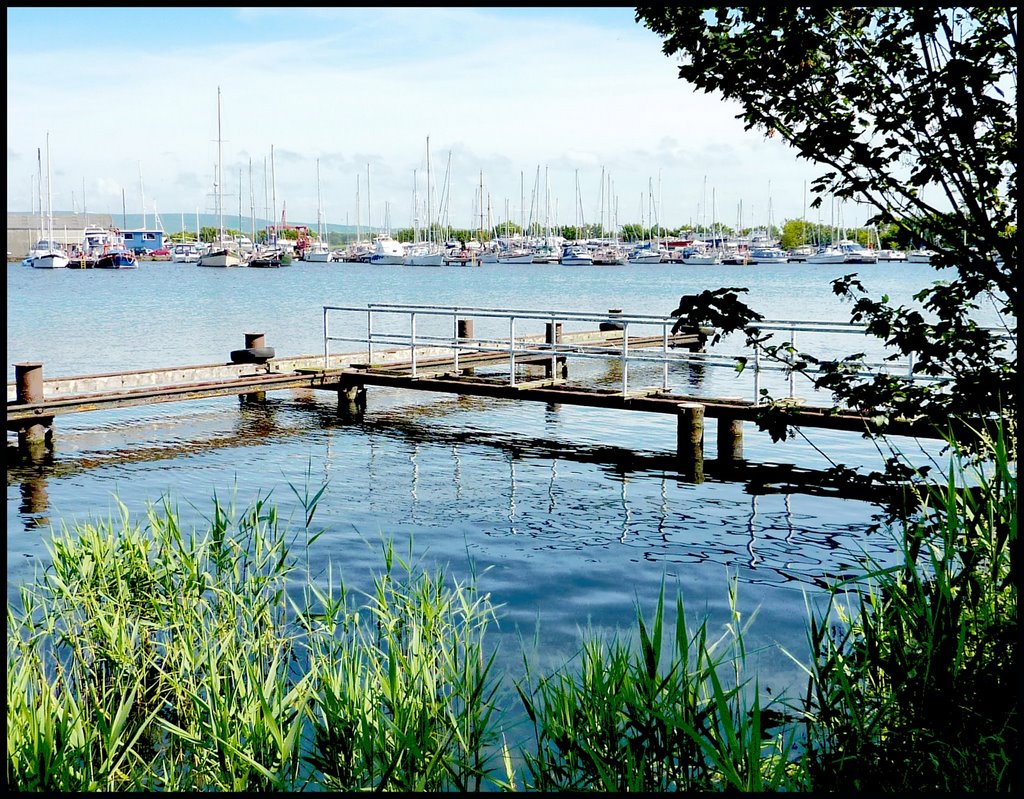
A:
x,y
845,251
387,251
186,252
768,255
702,259
891,255
424,253
48,254
644,254
576,255
516,256
920,256
800,253
608,255
224,251
319,251
487,255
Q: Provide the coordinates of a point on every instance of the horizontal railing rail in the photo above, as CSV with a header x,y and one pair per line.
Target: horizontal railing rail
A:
x,y
439,336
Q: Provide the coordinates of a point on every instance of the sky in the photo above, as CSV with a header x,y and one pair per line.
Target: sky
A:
x,y
574,114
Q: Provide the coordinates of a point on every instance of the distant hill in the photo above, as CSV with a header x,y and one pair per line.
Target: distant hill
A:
x,y
172,222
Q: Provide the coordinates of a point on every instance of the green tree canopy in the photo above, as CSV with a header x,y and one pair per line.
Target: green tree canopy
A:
x,y
913,112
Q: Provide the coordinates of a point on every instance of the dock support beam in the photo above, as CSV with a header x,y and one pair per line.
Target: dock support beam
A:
x,y
690,440
36,437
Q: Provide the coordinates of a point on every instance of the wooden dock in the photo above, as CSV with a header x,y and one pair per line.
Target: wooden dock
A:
x,y
536,371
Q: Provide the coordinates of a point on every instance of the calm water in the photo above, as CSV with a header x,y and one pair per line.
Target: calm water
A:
x,y
531,498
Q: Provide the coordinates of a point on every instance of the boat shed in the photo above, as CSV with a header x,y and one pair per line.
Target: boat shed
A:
x,y
143,239
23,230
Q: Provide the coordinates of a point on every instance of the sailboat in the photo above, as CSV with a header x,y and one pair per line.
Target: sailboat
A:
x,y
319,251
224,251
426,252
47,254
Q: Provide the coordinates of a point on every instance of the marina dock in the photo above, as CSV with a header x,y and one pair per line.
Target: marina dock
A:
x,y
528,367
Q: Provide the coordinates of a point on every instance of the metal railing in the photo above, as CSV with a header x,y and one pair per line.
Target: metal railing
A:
x,y
438,336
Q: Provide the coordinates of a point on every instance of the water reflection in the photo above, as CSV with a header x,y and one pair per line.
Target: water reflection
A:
x,y
557,492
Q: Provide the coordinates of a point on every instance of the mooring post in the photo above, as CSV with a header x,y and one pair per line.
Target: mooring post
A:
x,y
553,335
690,440
253,341
32,438
464,332
352,401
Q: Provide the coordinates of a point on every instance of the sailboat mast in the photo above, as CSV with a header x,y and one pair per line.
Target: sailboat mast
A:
x,y
142,195
220,173
319,204
273,193
49,195
429,207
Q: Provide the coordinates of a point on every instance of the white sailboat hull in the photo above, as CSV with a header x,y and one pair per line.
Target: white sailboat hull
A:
x,y
220,258
50,260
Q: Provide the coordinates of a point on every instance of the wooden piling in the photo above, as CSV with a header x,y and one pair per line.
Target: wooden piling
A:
x,y
690,440
730,440
464,331
352,401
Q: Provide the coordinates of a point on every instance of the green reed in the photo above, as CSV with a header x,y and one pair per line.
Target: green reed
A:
x,y
915,684
678,717
145,657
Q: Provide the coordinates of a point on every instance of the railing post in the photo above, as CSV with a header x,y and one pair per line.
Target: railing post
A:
x,y
512,350
327,360
664,357
412,341
625,357
369,337
757,373
792,377
553,336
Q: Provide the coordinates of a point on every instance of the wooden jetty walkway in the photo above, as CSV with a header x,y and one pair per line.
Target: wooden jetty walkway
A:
x,y
531,367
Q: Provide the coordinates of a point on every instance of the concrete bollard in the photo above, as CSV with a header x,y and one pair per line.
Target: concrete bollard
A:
x,y
690,440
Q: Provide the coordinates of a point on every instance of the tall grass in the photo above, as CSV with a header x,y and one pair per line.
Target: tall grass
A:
x,y
915,684
145,657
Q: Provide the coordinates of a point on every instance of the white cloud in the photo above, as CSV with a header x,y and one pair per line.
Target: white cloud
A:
x,y
504,90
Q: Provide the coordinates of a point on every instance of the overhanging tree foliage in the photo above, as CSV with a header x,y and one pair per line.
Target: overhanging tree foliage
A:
x,y
912,111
